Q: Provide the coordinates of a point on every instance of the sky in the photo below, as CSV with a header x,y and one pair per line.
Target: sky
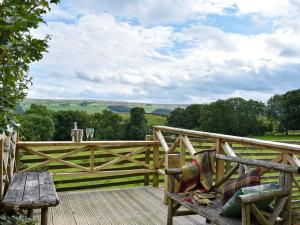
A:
x,y
169,51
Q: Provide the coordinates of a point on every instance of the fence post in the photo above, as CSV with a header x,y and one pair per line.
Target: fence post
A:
x,y
17,156
147,161
155,159
287,183
182,153
92,159
219,163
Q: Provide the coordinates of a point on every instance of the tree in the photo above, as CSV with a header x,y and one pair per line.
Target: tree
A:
x,y
37,127
18,49
192,116
40,110
108,125
234,116
177,118
186,118
64,122
37,124
136,129
277,111
292,100
285,109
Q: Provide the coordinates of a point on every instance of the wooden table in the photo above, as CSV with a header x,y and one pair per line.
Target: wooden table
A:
x,y
32,190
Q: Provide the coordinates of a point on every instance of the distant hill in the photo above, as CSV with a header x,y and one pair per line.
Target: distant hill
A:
x,y
163,112
119,108
92,106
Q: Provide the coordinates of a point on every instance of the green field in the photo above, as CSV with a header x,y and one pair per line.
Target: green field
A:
x,y
152,119
280,137
93,106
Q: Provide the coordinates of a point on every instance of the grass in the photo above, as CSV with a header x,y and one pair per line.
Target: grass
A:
x,y
151,118
280,137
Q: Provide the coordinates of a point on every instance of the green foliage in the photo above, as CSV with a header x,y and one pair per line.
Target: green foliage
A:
x,y
64,122
186,118
16,219
137,127
108,125
192,112
177,118
233,116
285,109
277,112
37,124
292,100
18,49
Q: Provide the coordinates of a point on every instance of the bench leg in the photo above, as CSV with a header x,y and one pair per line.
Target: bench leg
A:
x,y
171,183
170,212
246,214
30,213
44,216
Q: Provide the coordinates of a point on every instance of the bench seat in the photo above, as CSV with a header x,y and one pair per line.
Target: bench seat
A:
x,y
211,212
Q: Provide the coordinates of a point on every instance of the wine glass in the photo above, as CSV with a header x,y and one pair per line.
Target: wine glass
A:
x,y
92,132
87,133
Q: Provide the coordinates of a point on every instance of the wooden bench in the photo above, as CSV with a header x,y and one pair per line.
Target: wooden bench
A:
x,y
281,209
32,190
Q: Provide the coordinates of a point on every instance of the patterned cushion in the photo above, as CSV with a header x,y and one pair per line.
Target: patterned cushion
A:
x,y
248,179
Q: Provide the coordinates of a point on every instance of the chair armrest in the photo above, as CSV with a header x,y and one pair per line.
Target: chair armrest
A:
x,y
253,197
175,171
260,163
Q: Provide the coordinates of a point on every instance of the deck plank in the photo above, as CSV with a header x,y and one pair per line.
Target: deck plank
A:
x,y
76,209
132,206
136,209
87,210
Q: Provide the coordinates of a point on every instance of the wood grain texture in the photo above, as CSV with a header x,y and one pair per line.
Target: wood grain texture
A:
x,y
29,190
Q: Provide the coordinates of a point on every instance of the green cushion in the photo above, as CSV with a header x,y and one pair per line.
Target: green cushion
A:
x,y
233,209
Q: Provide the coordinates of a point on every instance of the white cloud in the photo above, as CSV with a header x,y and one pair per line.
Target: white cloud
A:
x,y
96,55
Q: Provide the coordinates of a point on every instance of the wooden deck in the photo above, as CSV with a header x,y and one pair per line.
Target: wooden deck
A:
x,y
138,206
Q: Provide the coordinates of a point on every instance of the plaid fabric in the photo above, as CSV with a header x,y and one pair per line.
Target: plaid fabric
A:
x,y
199,173
248,179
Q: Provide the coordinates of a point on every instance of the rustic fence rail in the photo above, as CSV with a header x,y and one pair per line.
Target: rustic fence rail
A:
x,y
88,165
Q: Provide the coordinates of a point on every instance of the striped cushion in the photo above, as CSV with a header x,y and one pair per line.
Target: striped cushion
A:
x,y
248,179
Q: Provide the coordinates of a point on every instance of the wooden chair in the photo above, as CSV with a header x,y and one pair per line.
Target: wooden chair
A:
x,y
281,213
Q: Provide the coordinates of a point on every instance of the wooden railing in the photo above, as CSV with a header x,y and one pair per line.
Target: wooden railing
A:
x,y
187,142
7,159
92,164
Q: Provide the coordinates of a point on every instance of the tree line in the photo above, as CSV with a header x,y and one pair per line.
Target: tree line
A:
x,y
237,116
40,124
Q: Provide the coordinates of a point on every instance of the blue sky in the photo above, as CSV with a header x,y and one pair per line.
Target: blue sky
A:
x,y
169,51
